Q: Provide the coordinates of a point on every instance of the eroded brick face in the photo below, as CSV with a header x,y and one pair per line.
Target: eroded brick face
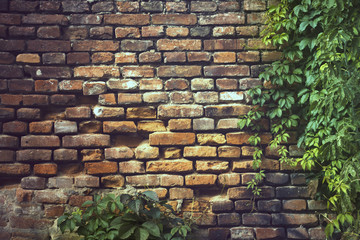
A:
x,y
98,95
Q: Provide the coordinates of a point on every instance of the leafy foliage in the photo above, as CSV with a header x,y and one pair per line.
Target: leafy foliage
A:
x,y
138,217
315,89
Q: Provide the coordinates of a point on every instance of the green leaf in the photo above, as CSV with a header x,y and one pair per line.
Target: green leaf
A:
x,y
126,230
141,234
152,228
152,195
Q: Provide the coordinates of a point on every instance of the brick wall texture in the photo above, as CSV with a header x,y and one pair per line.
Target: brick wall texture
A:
x,y
97,95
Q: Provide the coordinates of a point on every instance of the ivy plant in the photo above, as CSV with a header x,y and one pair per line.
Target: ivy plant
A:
x,y
315,90
137,217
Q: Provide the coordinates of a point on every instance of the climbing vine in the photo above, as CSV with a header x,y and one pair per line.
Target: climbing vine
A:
x,y
315,89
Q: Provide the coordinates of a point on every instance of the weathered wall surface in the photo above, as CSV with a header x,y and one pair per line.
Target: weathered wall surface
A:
x,y
100,94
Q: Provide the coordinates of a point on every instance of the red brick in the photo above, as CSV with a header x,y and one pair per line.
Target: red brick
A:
x,y
222,19
226,84
7,141
181,97
86,140
101,32
46,85
10,19
40,141
11,71
170,57
45,19
75,33
7,58
125,57
127,32
48,32
77,58
127,19
172,138
43,127
224,44
223,31
254,5
78,113
20,85
7,156
94,88
155,97
150,57
256,219
175,44
87,181
64,100
179,71
224,57
107,99
174,19
127,6
108,112
14,169
29,223
152,31
294,205
136,45
99,168
129,98
47,169
176,84
167,166
54,211
78,200
95,45
177,32
198,56
23,195
28,113
15,127
21,31
35,100
48,72
90,127
11,99
140,71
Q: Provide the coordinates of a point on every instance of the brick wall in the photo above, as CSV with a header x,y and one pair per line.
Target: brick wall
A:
x,y
96,95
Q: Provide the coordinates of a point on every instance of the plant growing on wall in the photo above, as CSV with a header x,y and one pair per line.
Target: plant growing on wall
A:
x,y
315,90
139,217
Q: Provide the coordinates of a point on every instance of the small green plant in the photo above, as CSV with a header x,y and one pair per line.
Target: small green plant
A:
x,y
138,217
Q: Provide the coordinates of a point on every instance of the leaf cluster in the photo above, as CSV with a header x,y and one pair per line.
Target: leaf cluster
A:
x,y
137,217
315,89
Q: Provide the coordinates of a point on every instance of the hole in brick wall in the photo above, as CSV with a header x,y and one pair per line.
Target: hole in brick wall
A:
x,y
9,183
87,100
53,113
126,140
70,169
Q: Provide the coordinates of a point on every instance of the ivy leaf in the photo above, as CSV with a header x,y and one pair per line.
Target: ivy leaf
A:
x,y
152,228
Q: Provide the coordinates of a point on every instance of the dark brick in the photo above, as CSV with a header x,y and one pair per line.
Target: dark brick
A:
x,y
33,183
292,192
7,141
218,233
7,156
293,219
153,6
48,72
103,6
269,205
222,206
78,58
277,178
48,46
28,113
229,219
270,233
21,31
63,100
7,113
23,6
75,6
11,71
297,233
256,219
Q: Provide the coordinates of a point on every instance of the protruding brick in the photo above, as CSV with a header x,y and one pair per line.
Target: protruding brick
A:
x,y
65,127
172,139
176,84
42,127
222,19
171,180
145,151
117,153
108,112
152,31
198,56
127,6
241,138
65,155
151,126
229,152
125,57
27,113
179,124
119,127
136,45
203,124
210,138
242,233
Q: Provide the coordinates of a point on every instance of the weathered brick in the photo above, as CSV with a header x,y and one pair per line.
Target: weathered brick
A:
x,y
33,155
229,6
316,205
176,6
245,193
198,56
229,219
177,32
119,127
108,112
244,205
141,112
65,127
113,181
50,196
173,57
257,44
96,71
33,183
105,6
86,140
179,124
256,219
75,6
210,139
292,192
94,88
212,166
270,233
87,181
206,97
40,141
151,126
226,70
127,32
60,182
7,156
95,45
11,99
127,6
47,169
78,200
101,32
125,57
166,166
130,167
48,72
172,138
90,127
63,100
317,233
11,71
294,219
181,97
200,151
269,205
143,180
176,84
99,168
27,113
181,193
15,127
172,153
277,178
222,19
243,233
65,155
179,71
14,169
256,18
140,71
42,127
240,138
108,99
125,84
152,31
153,6
127,19
178,45
171,180
174,19
77,58
75,33
203,124
45,19
229,152
7,113
53,211
294,205
117,153
78,112
180,111
92,155
10,19
37,226
71,85
35,100
147,57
